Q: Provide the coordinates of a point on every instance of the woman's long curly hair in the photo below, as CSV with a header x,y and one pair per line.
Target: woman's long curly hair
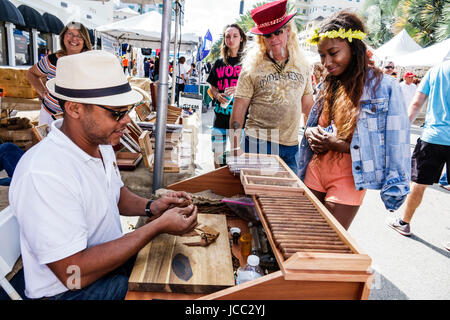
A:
x,y
341,94
224,50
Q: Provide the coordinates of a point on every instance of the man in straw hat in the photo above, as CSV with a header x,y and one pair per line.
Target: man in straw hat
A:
x,y
274,85
67,192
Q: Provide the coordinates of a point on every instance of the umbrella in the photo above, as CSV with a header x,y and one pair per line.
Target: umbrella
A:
x,y
9,13
53,23
33,18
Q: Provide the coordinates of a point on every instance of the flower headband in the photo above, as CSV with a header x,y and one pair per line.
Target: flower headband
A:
x,y
341,33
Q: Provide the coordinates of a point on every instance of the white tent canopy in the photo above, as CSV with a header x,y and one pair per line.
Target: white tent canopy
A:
x,y
428,56
144,31
399,45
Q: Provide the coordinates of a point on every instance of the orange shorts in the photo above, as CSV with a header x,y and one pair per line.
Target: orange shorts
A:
x,y
334,177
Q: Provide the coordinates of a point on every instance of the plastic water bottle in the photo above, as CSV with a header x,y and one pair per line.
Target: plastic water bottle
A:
x,y
250,271
229,99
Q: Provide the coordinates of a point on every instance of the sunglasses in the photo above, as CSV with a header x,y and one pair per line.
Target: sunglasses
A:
x,y
76,36
389,67
117,115
277,33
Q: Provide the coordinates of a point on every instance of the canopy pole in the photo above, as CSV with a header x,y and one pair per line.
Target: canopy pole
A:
x,y
10,44
175,54
161,104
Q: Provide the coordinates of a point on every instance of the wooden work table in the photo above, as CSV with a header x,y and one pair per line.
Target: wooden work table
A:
x,y
143,295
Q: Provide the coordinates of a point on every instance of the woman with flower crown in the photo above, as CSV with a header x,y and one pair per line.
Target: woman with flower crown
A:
x,y
357,134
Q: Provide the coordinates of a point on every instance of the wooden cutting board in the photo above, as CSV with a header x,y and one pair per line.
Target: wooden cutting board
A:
x,y
166,264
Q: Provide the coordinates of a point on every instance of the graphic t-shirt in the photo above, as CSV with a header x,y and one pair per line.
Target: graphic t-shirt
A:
x,y
275,100
223,76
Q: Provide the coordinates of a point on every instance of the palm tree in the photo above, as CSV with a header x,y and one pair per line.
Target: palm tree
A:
x,y
426,21
443,26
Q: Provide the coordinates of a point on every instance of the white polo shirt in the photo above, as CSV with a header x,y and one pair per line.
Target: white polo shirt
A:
x,y
65,201
408,92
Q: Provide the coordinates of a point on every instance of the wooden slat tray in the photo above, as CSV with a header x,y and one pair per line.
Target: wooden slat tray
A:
x,y
306,244
268,175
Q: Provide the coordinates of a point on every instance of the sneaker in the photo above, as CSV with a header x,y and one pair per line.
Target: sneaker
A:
x,y
394,223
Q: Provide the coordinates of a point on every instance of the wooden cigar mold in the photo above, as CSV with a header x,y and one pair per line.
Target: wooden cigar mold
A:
x,y
297,226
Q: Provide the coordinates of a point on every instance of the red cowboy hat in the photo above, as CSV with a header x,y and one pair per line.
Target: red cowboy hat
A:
x,y
270,17
409,74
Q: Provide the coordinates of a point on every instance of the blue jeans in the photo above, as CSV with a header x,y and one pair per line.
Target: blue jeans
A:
x,y
288,153
113,286
10,155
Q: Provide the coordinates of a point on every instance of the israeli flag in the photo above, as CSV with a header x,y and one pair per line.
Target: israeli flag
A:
x,y
206,46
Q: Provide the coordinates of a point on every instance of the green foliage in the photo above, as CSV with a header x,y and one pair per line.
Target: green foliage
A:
x,y
427,22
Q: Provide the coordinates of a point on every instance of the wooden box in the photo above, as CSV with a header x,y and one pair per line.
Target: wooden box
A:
x,y
128,160
14,83
24,138
304,273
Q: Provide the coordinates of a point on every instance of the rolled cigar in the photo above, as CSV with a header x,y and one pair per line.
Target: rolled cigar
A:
x,y
301,227
297,221
183,204
293,251
299,232
300,243
313,246
281,238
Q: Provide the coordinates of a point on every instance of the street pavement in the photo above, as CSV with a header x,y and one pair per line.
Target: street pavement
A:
x,y
415,267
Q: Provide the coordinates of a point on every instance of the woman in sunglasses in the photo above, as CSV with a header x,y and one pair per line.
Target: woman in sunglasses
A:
x,y
357,134
274,86
73,39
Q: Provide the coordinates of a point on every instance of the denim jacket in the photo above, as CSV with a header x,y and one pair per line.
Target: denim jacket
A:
x,y
380,147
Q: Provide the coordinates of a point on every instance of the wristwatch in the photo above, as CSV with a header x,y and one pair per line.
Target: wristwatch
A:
x,y
148,211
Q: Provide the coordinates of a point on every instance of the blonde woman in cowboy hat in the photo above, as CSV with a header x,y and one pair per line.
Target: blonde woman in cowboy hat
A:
x,y
67,193
274,85
73,39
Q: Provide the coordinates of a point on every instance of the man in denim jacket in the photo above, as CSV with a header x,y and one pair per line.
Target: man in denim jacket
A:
x,y
380,147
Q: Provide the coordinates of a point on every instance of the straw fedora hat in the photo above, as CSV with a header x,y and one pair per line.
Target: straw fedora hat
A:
x,y
270,17
92,77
